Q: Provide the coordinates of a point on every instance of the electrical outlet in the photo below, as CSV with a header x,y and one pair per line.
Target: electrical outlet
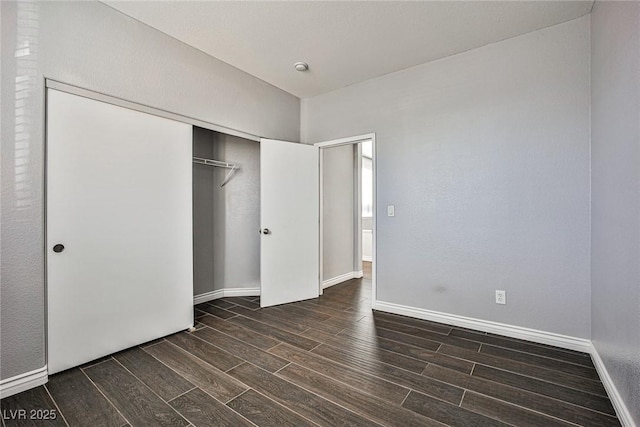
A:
x,y
501,297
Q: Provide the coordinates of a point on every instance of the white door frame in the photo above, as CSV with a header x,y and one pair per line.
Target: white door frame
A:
x,y
348,141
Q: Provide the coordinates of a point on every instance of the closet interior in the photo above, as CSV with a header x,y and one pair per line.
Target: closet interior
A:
x,y
226,215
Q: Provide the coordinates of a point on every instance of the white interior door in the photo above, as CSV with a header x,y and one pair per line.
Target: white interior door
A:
x,y
289,214
119,201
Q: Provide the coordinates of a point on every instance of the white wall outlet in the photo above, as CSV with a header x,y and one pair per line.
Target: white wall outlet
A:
x,y
391,210
501,297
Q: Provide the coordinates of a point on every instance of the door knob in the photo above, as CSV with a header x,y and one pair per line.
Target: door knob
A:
x,y
266,231
58,248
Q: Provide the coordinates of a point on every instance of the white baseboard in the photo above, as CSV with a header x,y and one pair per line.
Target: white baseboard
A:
x,y
618,404
23,382
542,337
367,258
209,296
229,292
242,292
341,278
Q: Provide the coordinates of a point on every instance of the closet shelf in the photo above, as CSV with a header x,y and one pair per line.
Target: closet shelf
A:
x,y
219,164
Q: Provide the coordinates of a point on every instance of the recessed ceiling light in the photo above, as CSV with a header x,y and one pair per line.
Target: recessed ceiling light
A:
x,y
301,66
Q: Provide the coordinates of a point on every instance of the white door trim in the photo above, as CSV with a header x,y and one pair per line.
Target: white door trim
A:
x,y
346,141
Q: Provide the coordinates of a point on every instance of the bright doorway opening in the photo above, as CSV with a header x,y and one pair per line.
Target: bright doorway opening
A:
x,y
347,211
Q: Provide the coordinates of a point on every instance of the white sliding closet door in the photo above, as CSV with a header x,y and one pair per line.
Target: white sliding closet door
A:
x,y
289,213
119,201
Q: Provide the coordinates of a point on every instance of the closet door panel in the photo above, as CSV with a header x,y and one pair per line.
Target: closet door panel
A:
x,y
289,214
119,200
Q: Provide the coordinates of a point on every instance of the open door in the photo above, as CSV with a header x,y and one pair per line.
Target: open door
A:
x,y
289,214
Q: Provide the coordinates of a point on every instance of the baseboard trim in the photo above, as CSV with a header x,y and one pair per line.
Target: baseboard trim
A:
x,y
209,296
624,416
229,292
341,278
242,292
541,337
23,382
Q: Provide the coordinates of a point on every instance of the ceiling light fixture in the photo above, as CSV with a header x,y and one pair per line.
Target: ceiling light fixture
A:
x,y
301,66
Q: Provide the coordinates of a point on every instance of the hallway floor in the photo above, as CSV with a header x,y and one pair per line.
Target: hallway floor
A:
x,y
328,361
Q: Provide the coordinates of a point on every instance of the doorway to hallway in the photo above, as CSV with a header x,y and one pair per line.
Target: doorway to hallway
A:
x,y
347,211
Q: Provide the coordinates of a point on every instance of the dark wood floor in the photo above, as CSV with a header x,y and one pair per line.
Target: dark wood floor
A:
x,y
328,361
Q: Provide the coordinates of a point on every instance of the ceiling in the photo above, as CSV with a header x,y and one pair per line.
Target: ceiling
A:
x,y
344,42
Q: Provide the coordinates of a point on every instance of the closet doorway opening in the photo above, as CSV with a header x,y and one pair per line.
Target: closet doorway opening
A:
x,y
226,215
347,215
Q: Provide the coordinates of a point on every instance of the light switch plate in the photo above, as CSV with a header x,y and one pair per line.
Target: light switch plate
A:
x,y
391,210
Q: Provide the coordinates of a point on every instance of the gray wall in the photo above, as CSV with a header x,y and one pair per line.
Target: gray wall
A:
x,y
90,45
338,211
226,243
615,180
203,212
485,156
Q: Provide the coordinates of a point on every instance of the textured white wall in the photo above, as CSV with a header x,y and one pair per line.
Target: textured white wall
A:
x,y
338,211
615,181
485,156
90,45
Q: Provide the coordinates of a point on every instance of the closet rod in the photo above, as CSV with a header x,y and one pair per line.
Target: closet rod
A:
x,y
220,164
210,162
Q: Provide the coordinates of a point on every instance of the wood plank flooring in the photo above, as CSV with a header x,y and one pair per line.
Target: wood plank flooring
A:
x,y
330,361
